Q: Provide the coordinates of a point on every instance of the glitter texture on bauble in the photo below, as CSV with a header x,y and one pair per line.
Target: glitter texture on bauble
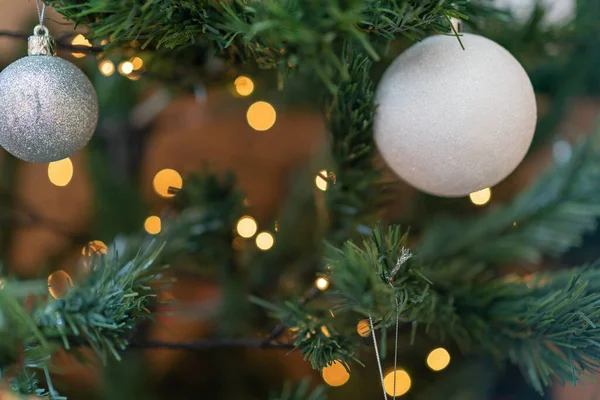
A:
x,y
451,121
48,107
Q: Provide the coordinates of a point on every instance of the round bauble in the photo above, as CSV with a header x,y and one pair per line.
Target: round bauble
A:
x,y
48,108
451,121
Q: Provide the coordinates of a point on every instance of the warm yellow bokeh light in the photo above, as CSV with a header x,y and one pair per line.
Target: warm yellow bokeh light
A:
x,y
106,67
94,247
165,179
261,116
125,68
60,172
80,40
320,182
481,197
335,374
322,284
243,85
152,225
363,328
246,227
59,283
438,359
403,383
264,241
137,63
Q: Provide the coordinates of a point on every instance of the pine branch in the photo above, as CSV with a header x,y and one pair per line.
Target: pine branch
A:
x,y
26,382
283,35
547,326
354,197
209,207
315,336
100,311
280,329
545,220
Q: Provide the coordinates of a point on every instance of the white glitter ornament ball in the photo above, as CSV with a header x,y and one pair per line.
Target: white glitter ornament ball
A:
x,y
451,121
48,107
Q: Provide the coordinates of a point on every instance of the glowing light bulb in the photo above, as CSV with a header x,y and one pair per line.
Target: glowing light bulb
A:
x,y
481,197
320,182
106,67
165,179
261,116
59,283
80,40
94,247
60,172
246,227
137,63
322,284
125,68
325,331
152,225
264,241
438,359
363,328
335,374
243,85
403,382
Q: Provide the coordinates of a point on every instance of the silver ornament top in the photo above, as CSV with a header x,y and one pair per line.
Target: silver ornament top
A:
x,y
41,43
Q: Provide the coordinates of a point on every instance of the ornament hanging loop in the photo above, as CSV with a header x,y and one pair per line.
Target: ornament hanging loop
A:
x,y
41,43
41,30
457,25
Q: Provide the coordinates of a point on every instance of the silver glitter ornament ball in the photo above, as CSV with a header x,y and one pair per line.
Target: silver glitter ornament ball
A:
x,y
48,107
451,121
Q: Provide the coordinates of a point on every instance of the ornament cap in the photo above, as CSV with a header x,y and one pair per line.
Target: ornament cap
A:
x,y
41,43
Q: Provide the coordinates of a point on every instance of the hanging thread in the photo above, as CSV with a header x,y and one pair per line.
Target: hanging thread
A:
x,y
41,11
405,255
396,345
377,355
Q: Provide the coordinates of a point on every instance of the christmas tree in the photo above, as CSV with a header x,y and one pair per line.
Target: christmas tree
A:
x,y
294,200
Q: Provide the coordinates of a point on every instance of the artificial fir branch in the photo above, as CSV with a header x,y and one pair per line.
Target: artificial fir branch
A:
x,y
314,335
283,35
355,196
27,383
100,312
546,325
547,219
